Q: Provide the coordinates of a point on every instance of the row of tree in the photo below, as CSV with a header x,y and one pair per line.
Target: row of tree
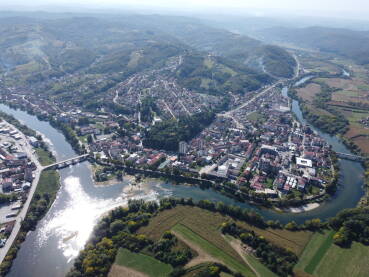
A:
x,y
277,259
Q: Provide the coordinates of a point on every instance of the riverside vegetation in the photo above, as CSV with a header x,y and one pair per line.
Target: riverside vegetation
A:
x,y
43,198
151,230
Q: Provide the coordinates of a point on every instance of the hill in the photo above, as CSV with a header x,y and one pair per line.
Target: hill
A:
x,y
35,49
344,42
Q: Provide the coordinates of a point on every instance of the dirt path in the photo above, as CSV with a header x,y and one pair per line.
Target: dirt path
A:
x,y
202,256
122,271
236,245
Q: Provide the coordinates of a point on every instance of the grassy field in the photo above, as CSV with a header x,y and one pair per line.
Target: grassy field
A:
x,y
49,183
342,262
308,93
260,268
256,265
213,251
320,252
255,116
44,156
195,218
314,251
322,258
142,263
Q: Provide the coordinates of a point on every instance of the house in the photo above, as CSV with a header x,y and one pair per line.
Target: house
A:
x,y
33,141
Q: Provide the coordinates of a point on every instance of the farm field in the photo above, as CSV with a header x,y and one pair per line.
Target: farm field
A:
x,y
322,258
212,250
308,92
316,63
350,100
256,266
194,218
142,263
314,251
341,262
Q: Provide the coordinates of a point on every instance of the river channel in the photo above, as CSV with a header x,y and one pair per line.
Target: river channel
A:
x,y
62,233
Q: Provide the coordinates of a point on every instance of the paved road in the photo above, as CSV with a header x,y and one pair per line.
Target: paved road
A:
x,y
230,113
29,150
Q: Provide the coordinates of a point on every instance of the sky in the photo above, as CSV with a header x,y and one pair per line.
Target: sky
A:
x,y
345,8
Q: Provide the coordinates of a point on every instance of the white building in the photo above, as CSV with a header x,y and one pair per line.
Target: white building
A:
x,y
304,162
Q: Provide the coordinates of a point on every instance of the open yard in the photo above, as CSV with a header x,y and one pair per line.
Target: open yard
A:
x,y
255,116
142,263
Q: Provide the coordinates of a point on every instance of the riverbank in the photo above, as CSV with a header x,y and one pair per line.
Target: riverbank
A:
x,y
77,199
304,208
31,212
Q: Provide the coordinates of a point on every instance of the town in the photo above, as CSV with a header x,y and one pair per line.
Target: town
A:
x,y
19,175
258,148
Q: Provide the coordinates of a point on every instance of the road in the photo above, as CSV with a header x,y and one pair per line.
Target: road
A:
x,y
22,214
229,114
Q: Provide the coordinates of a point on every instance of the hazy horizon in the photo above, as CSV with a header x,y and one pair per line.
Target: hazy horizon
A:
x,y
354,9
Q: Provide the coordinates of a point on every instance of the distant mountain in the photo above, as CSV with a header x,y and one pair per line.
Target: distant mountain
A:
x,y
36,50
344,42
220,42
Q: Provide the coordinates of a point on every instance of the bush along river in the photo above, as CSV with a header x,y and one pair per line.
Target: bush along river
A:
x,y
63,232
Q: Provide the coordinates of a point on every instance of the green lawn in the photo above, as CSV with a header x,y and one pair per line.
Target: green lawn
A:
x,y
44,156
213,250
342,262
255,116
142,263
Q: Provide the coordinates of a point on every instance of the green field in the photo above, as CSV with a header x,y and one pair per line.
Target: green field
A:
x,y
49,183
323,258
142,263
255,116
212,250
310,255
342,262
206,224
259,267
320,252
44,156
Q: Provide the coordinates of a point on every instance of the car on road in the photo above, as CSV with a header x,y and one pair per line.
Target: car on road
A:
x,y
11,215
2,243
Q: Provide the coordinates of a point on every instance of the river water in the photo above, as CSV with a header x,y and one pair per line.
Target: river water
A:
x,y
62,233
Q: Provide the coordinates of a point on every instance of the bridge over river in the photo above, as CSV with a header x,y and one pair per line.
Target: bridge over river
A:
x,y
68,162
350,157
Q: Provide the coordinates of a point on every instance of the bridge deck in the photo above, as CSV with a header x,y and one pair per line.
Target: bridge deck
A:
x,y
77,159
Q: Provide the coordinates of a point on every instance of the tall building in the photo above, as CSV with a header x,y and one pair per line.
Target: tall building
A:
x,y
183,146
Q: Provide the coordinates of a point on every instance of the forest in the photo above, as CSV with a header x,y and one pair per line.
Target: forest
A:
x,y
167,134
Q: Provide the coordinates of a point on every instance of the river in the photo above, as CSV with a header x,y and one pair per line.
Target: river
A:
x,y
62,233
